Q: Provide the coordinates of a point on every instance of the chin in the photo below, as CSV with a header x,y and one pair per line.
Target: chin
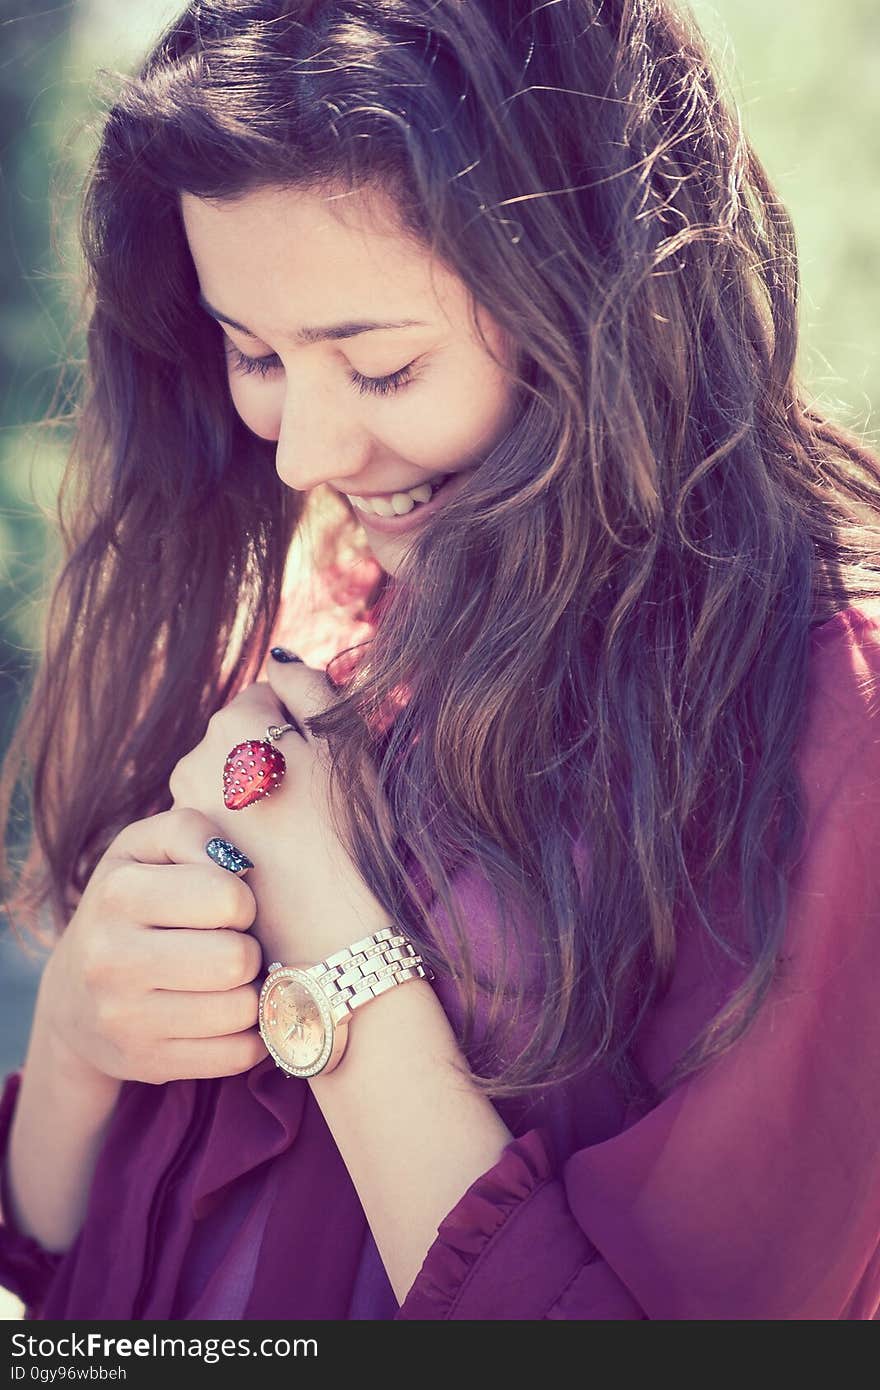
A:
x,y
386,552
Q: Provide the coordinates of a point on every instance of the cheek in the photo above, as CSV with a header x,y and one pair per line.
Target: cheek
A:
x,y
259,404
479,411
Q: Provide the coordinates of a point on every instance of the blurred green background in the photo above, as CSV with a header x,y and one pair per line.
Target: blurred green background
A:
x,y
806,78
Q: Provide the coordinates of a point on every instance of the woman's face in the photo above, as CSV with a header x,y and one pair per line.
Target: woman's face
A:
x,y
276,262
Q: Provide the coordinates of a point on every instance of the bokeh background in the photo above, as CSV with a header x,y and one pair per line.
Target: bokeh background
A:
x,y
806,78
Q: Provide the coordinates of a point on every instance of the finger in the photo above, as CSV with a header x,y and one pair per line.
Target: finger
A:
x,y
199,961
300,689
177,895
200,1014
183,1058
177,836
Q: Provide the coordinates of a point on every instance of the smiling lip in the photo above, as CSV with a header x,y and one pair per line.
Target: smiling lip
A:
x,y
390,493
402,525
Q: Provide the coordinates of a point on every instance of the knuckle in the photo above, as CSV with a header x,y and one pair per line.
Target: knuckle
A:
x,y
247,904
147,1070
108,1017
237,961
97,965
243,1014
248,1051
229,902
143,1061
235,902
111,1059
250,1006
253,959
188,821
125,839
118,887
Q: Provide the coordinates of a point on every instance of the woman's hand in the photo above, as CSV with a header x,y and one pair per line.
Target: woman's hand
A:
x,y
311,900
151,978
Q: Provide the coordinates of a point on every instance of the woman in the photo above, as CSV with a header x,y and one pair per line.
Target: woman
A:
x,y
605,769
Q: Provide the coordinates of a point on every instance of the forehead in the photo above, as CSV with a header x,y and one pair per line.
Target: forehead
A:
x,y
276,258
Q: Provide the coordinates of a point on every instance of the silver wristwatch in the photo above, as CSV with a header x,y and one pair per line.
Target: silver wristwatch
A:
x,y
305,1009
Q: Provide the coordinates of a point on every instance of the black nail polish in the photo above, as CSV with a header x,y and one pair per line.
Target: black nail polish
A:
x,y
282,654
228,856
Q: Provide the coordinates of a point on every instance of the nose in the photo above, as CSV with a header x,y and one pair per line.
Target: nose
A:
x,y
317,443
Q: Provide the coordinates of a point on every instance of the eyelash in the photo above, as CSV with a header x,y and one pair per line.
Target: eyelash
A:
x,y
366,385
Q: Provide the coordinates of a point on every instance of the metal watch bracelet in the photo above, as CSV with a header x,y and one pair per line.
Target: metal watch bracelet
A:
x,y
366,969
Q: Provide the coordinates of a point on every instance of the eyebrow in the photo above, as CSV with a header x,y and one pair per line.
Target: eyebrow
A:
x,y
330,331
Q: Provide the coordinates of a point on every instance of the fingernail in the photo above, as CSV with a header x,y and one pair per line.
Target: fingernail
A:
x,y
228,856
282,654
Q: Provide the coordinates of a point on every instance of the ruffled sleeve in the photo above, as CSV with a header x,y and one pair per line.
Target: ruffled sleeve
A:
x,y
26,1269
511,1248
752,1191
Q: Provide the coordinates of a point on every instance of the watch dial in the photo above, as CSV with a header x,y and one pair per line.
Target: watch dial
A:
x,y
294,1024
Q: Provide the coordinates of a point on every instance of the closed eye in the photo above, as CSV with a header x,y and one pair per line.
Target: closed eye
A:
x,y
366,385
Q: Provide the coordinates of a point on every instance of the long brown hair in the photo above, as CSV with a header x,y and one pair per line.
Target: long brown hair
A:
x,y
610,629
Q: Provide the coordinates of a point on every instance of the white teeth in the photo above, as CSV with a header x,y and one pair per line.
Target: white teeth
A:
x,y
381,505
398,504
420,493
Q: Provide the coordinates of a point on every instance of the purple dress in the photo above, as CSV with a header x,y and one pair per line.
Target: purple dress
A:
x,y
751,1192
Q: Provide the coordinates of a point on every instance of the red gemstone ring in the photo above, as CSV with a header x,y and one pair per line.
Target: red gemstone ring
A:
x,y
254,768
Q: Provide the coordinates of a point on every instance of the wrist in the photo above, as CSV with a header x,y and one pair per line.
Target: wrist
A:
x,y
305,1009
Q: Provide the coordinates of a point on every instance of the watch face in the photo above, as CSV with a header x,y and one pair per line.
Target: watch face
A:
x,y
295,1022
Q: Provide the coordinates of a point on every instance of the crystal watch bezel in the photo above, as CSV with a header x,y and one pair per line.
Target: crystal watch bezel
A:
x,y
276,974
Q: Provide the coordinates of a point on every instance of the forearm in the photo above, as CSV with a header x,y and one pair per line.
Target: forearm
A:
x,y
61,1117
413,1132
